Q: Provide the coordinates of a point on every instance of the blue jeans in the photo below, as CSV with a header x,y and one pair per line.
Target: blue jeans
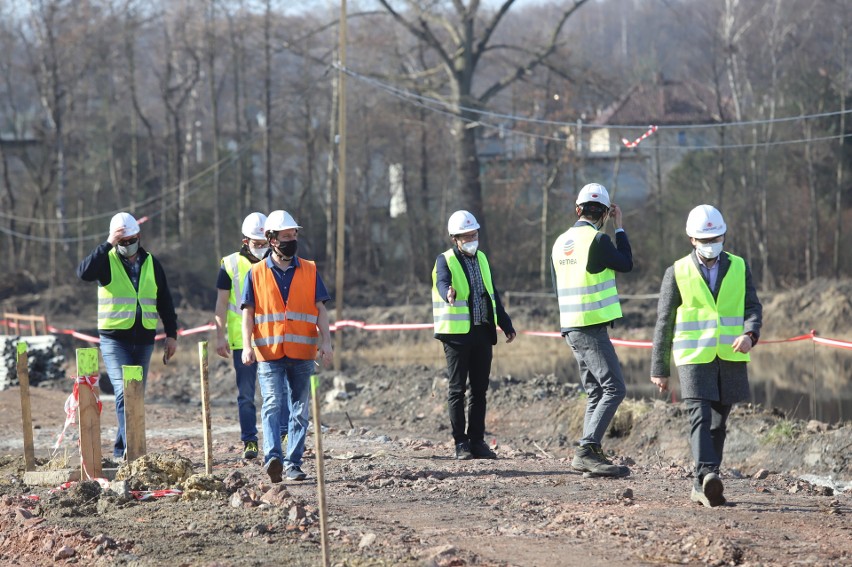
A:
x,y
117,354
275,377
246,376
600,374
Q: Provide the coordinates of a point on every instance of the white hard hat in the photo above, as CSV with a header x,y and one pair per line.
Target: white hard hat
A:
x,y
461,222
126,220
279,220
593,193
705,221
253,226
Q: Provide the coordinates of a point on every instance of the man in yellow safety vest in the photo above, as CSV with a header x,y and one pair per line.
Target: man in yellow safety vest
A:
x,y
132,292
708,318
232,272
584,262
466,310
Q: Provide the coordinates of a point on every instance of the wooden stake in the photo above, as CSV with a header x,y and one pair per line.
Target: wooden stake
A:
x,y
26,414
134,411
320,468
205,408
88,416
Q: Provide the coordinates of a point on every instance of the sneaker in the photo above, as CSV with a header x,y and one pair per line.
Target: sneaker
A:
x,y
274,469
481,450
294,472
712,488
463,451
250,450
588,461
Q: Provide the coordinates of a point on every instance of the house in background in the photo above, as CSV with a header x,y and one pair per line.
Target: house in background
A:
x,y
674,107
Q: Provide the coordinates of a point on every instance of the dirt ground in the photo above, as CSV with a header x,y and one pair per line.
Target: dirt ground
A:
x,y
395,495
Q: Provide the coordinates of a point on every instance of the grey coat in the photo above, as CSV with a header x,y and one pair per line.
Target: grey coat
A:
x,y
720,380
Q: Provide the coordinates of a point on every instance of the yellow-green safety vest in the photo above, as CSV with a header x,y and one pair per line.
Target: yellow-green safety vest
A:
x,y
584,299
236,266
117,301
706,328
455,319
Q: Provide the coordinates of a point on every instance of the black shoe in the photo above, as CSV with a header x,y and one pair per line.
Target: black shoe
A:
x,y
712,488
463,451
274,468
481,450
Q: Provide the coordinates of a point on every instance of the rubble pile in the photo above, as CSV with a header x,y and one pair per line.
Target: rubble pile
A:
x,y
45,359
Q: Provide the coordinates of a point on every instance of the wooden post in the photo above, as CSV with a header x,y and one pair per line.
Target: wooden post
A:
x,y
134,412
315,407
26,414
88,416
205,408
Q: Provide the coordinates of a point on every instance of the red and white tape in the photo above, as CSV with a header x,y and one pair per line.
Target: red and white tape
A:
x,y
636,142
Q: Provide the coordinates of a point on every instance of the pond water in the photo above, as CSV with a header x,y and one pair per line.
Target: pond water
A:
x,y
802,380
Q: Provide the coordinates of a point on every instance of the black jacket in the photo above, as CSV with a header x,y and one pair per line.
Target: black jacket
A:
x,y
95,267
443,281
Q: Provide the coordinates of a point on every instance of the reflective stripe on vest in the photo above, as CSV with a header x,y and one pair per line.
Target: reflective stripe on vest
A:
x,y
706,328
455,319
236,266
117,301
584,299
285,330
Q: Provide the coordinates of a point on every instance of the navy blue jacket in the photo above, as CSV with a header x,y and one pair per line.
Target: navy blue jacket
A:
x,y
603,255
95,267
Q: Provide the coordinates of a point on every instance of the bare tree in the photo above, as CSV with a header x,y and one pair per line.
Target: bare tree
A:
x,y
460,39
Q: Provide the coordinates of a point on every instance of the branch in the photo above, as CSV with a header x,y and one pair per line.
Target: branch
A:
x,y
537,60
424,33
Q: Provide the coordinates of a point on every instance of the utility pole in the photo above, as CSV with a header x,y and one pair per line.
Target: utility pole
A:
x,y
341,184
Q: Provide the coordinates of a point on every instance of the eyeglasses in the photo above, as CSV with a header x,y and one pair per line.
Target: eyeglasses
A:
x,y
128,241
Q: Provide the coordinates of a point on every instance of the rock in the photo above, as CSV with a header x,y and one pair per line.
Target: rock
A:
x,y
276,496
64,552
815,426
155,471
624,493
367,540
121,489
761,474
233,481
242,499
23,513
345,385
297,512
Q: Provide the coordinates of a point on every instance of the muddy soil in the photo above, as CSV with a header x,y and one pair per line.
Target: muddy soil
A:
x,y
396,496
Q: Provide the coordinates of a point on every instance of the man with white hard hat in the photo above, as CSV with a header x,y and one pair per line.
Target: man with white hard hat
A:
x,y
708,319
132,292
583,264
286,323
466,309
232,272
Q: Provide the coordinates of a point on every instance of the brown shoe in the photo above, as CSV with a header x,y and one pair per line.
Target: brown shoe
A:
x,y
274,468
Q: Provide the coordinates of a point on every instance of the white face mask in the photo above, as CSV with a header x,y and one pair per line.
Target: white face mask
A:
x,y
709,251
469,248
258,253
128,251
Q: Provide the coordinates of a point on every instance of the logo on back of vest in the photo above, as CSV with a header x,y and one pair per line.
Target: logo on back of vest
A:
x,y
568,248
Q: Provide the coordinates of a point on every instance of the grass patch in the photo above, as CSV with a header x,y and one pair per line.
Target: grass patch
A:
x,y
784,430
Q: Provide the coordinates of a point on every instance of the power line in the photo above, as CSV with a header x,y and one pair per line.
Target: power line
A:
x,y
426,101
422,102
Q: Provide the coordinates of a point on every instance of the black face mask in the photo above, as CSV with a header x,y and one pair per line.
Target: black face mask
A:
x,y
288,249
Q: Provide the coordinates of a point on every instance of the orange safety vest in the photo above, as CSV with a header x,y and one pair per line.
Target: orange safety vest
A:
x,y
285,329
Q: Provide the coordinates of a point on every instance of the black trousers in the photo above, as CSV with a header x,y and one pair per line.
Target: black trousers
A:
x,y
708,421
469,363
